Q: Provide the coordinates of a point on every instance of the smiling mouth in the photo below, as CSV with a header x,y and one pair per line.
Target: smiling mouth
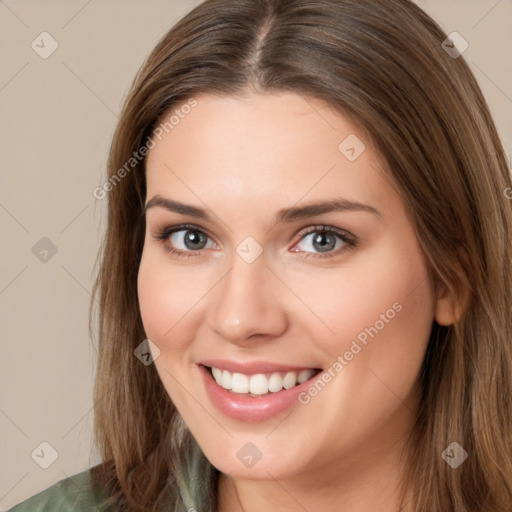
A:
x,y
260,384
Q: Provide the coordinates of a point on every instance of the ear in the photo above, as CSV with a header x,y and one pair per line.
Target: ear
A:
x,y
450,305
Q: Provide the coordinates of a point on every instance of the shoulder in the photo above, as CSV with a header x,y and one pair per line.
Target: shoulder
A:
x,y
74,493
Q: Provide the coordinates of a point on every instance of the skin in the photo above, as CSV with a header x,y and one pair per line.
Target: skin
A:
x,y
244,159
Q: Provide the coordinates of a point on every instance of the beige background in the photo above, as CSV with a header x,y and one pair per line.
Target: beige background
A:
x,y
58,115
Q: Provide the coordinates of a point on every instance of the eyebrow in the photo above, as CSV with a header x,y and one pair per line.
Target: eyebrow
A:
x,y
284,215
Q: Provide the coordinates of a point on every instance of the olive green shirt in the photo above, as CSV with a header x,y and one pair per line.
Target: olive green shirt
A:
x,y
79,493
75,493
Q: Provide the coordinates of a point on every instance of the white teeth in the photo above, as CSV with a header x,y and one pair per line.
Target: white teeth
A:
x,y
275,383
260,384
290,379
226,380
240,383
217,374
305,375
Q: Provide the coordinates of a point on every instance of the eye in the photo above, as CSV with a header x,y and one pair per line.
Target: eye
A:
x,y
187,241
184,241
327,240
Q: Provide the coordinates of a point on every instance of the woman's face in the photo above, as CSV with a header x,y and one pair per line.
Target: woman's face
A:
x,y
267,286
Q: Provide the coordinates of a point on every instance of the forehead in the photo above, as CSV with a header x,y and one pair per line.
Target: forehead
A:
x,y
263,149
262,125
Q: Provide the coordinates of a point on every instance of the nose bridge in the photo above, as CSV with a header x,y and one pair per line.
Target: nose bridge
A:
x,y
246,300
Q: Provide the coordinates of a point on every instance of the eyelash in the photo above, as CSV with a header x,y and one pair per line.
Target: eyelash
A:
x,y
348,240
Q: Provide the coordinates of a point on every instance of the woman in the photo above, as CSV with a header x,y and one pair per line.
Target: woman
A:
x,y
305,283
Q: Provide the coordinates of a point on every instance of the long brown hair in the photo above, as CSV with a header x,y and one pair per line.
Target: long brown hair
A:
x,y
382,63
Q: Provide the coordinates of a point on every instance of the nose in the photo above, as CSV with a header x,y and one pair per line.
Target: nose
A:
x,y
247,305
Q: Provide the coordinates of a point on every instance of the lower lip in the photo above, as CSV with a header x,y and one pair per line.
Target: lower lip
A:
x,y
247,408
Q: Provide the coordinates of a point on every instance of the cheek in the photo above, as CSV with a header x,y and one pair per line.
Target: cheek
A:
x,y
165,295
381,317
155,303
383,301
166,298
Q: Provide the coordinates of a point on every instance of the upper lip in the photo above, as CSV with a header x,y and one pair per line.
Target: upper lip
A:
x,y
252,367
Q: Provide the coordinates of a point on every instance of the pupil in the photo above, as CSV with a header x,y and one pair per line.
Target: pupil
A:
x,y
323,245
194,238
